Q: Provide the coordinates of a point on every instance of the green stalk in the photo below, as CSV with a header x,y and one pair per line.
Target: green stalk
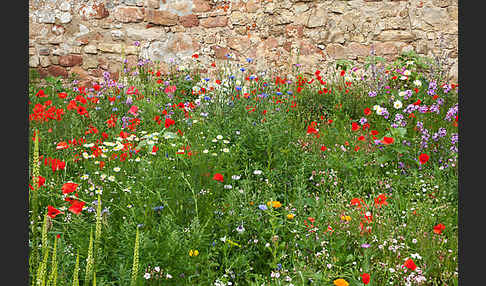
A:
x,y
135,260
90,260
76,271
53,276
33,259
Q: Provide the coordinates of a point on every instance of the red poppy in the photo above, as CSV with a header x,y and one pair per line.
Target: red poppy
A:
x,y
343,72
41,93
169,122
41,181
381,200
195,56
311,130
69,188
62,95
76,207
367,111
365,278
218,177
410,264
53,212
387,140
323,148
356,148
96,87
374,132
361,138
423,158
417,102
355,126
438,229
356,202
155,149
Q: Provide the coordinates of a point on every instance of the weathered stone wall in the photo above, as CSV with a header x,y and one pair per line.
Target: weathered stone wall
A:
x,y
87,37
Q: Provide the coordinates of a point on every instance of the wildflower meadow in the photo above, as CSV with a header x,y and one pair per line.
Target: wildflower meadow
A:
x,y
346,176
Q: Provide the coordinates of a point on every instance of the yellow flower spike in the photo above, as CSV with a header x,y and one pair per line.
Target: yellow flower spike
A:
x,y
341,282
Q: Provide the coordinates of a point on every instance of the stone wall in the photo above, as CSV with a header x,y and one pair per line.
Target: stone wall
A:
x,y
88,37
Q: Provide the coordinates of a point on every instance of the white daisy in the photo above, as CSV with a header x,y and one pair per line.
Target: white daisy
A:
x,y
397,104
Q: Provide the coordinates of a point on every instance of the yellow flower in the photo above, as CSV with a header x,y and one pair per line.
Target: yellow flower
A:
x,y
274,204
346,218
196,252
290,216
193,252
341,282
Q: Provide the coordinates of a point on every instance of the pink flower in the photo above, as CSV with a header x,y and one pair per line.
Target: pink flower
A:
x,y
133,110
170,89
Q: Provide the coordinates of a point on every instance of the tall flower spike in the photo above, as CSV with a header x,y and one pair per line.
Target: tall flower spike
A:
x,y
135,260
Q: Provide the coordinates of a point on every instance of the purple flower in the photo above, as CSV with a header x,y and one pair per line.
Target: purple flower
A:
x,y
263,207
372,93
365,245
136,44
362,120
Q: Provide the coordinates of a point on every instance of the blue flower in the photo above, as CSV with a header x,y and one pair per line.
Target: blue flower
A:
x,y
263,207
238,87
242,69
278,93
159,208
249,60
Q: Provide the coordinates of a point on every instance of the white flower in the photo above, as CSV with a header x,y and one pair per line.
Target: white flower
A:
x,y
414,240
117,169
226,141
88,145
407,73
379,110
397,104
205,151
375,107
403,77
235,177
85,177
85,155
416,256
146,276
417,83
99,192
157,269
240,229
168,276
402,93
219,137
257,172
109,144
228,187
225,150
111,178
214,140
